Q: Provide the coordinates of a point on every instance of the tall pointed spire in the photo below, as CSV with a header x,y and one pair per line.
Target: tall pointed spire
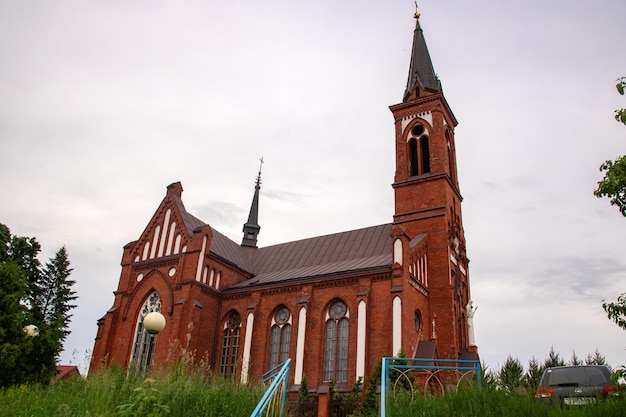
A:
x,y
421,69
251,228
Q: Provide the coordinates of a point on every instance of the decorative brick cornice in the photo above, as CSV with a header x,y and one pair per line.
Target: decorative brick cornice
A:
x,y
418,286
171,260
336,283
237,295
431,103
381,277
282,289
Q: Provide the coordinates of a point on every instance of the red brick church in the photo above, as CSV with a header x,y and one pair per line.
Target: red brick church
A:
x,y
334,304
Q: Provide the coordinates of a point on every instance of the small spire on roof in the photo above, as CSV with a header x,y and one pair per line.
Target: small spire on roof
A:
x,y
251,228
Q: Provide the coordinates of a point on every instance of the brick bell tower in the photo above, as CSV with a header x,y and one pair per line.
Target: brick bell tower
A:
x,y
430,262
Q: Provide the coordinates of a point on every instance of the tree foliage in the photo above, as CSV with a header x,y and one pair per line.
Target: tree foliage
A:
x,y
613,185
595,359
32,294
533,374
553,359
511,374
513,377
616,311
620,114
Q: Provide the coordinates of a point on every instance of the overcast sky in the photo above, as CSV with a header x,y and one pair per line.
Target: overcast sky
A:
x,y
105,103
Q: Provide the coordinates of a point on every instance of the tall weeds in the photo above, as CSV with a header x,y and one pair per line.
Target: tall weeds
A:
x,y
495,403
111,392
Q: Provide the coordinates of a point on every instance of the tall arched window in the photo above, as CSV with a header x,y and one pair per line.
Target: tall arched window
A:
x,y
419,150
451,160
230,345
280,337
336,343
414,158
143,348
425,154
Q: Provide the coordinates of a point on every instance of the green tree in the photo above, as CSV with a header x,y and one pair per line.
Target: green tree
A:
x,y
620,114
553,359
511,374
595,359
613,185
575,360
13,341
490,378
32,294
533,374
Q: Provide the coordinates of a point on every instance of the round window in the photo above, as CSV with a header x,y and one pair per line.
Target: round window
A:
x,y
338,310
417,319
282,315
417,130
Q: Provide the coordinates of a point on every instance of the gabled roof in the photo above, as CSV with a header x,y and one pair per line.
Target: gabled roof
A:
x,y
351,251
230,251
338,253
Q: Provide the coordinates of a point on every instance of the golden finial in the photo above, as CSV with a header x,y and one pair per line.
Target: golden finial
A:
x,y
416,15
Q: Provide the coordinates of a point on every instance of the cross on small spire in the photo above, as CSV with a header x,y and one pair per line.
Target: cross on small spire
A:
x,y
416,15
258,178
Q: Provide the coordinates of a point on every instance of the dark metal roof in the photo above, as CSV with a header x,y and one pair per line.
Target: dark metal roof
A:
x,y
230,251
421,69
351,251
191,222
345,252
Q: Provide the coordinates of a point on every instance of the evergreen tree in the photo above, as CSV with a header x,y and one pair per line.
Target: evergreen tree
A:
x,y
490,380
511,374
575,360
533,374
553,359
13,341
32,295
595,359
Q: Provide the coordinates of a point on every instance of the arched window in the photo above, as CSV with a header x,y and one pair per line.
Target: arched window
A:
x,y
451,160
414,159
336,343
230,345
425,154
419,150
280,337
143,348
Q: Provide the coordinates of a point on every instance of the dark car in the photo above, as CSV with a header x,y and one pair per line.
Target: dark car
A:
x,y
576,385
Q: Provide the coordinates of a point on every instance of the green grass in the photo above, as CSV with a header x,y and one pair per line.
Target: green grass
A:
x,y
183,393
471,403
196,392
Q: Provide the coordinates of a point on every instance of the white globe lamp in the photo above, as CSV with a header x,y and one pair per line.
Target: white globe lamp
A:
x,y
31,330
154,322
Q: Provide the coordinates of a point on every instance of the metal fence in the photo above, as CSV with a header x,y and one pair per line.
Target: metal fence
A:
x,y
426,375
